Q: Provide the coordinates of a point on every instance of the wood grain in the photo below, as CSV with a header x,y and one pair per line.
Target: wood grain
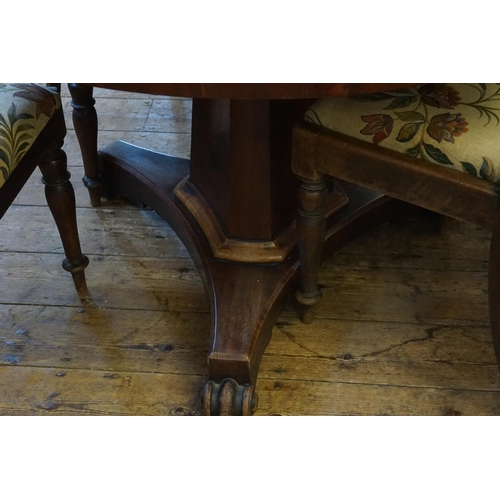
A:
x,y
402,328
251,90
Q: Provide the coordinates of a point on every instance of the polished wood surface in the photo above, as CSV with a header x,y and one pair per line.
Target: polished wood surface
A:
x,y
416,181
402,328
240,163
253,90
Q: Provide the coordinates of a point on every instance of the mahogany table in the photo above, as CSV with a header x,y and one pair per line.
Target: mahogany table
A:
x,y
233,205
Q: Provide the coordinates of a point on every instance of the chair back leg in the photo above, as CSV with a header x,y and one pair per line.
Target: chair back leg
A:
x,y
86,128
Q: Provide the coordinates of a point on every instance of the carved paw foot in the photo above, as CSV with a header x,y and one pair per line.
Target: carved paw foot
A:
x,y
228,398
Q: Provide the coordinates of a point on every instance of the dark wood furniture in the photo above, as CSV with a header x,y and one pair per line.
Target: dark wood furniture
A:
x,y
46,153
319,152
234,207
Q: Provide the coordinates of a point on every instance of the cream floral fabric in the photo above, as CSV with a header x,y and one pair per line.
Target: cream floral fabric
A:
x,y
25,109
454,125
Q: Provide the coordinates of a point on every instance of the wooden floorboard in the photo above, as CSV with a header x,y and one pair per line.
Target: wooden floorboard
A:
x,y
402,330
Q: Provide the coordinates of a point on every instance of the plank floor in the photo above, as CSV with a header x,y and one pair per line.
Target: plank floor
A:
x,y
402,330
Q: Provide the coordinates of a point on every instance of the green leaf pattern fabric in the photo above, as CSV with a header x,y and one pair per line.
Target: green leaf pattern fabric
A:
x,y
454,125
25,109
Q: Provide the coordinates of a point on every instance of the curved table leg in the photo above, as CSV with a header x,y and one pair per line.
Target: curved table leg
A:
x,y
245,299
85,123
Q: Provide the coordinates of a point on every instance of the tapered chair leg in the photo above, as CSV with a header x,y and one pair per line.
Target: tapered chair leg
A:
x,y
61,200
311,228
85,123
494,285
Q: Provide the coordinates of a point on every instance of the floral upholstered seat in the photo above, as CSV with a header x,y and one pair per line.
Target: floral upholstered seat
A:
x,y
454,125
25,109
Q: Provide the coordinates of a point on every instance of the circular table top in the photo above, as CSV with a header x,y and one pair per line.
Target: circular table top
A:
x,y
253,90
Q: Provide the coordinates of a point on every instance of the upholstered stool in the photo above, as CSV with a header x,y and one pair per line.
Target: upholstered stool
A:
x,y
435,146
32,131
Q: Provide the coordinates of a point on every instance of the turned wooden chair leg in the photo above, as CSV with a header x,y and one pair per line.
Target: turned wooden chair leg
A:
x,y
85,123
311,228
494,285
61,200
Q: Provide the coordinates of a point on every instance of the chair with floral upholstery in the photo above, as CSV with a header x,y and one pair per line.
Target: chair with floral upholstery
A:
x,y
32,131
435,146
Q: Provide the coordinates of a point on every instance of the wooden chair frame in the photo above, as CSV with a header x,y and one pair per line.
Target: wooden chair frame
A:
x,y
46,153
319,152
